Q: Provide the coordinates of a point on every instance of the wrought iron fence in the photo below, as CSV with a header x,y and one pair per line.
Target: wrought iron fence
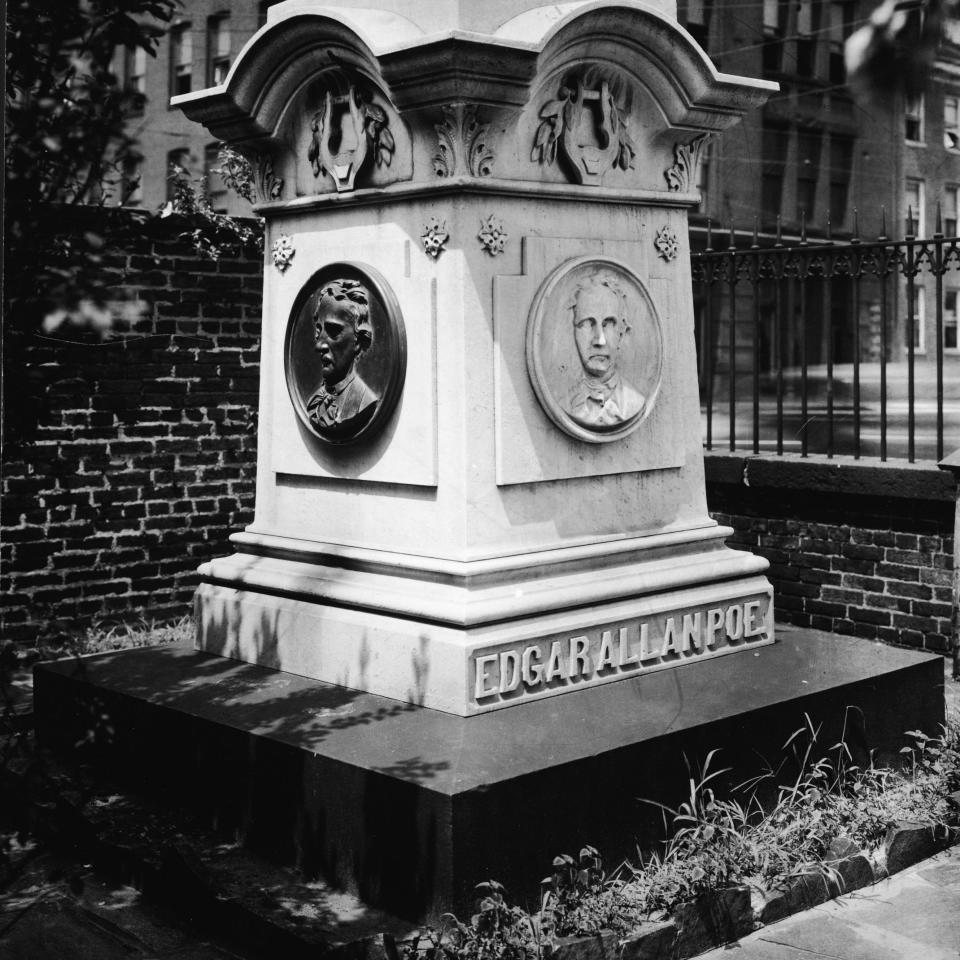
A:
x,y
835,348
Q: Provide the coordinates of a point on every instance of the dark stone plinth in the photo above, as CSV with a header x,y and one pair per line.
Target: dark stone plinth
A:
x,y
410,807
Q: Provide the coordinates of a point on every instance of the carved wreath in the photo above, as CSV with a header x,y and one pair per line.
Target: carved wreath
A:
x,y
557,115
374,123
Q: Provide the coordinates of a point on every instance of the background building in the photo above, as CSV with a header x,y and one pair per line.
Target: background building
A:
x,y
820,161
197,52
814,159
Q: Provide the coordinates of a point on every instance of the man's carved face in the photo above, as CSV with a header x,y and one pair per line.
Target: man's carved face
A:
x,y
598,329
335,339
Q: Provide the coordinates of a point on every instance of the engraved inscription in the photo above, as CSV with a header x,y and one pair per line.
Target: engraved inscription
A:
x,y
609,652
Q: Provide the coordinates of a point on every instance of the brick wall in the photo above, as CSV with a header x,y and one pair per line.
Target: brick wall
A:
x,y
128,460
853,548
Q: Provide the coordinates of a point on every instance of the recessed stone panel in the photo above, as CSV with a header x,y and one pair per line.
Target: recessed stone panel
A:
x,y
399,444
545,429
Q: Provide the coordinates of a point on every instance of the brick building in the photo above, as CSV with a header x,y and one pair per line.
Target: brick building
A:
x,y
201,44
814,154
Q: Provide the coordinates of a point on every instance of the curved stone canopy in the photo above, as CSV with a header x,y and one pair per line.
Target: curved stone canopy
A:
x,y
417,67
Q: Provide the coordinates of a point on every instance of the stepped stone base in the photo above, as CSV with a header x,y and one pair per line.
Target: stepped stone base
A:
x,y
409,807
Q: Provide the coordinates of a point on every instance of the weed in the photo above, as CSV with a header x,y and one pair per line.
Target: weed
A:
x,y
497,931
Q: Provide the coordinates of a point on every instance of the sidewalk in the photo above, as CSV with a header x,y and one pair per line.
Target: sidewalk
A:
x,y
914,915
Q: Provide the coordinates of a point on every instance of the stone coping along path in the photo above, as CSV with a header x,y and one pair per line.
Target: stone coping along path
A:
x,y
912,915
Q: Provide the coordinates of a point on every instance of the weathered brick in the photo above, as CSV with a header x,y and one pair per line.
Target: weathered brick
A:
x,y
926,608
912,558
942,578
919,591
864,615
862,551
907,621
895,571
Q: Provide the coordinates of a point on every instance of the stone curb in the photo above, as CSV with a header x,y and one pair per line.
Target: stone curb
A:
x,y
718,919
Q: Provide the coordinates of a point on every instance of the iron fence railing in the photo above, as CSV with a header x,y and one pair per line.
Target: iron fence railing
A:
x,y
835,348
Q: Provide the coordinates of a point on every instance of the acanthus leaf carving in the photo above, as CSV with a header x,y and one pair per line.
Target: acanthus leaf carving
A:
x,y
682,176
462,145
585,110
269,185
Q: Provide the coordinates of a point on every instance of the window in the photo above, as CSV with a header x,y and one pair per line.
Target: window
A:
x,y
950,320
218,49
772,37
840,27
808,172
913,208
841,163
216,188
135,69
774,140
950,194
917,316
698,20
135,77
181,60
951,123
806,39
131,182
913,119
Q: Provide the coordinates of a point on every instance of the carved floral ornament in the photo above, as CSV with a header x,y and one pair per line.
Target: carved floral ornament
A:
x,y
682,176
349,133
462,146
587,128
434,236
269,185
283,252
493,238
667,244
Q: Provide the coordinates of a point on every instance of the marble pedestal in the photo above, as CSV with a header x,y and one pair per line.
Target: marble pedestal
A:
x,y
410,807
519,512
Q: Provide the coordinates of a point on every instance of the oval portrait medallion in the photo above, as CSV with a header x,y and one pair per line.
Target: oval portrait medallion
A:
x,y
346,353
594,349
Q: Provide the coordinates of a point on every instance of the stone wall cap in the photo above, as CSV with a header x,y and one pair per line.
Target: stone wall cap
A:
x,y
890,478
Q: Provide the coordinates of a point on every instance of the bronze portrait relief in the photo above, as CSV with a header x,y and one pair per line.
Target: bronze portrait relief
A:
x,y
345,353
594,349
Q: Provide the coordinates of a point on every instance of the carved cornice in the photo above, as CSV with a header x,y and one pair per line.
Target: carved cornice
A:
x,y
417,69
425,190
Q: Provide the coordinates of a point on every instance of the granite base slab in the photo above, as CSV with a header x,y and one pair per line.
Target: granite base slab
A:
x,y
409,807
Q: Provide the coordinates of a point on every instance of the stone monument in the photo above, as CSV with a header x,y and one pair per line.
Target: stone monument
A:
x,y
480,477
482,607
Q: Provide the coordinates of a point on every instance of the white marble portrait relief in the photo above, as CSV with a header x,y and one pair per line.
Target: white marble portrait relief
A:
x,y
594,349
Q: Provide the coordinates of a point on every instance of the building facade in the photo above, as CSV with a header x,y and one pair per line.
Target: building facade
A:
x,y
197,52
814,160
821,163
